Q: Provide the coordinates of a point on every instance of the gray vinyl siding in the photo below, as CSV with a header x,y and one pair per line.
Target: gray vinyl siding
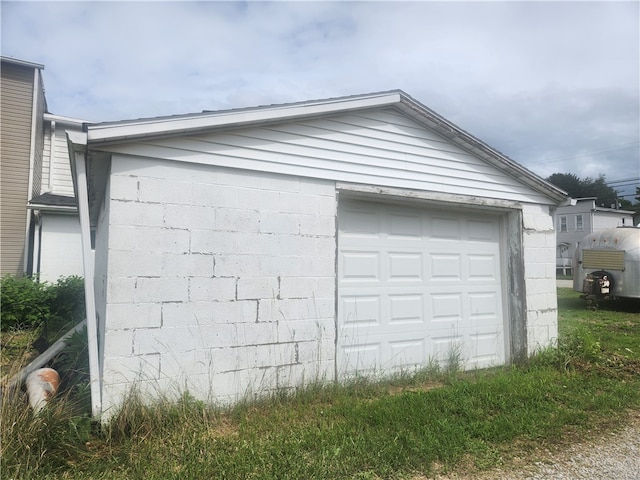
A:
x,y
377,147
15,134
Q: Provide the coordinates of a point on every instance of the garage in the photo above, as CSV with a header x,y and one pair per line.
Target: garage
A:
x,y
247,252
417,286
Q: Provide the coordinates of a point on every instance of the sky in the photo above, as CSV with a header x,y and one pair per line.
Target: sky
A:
x,y
553,85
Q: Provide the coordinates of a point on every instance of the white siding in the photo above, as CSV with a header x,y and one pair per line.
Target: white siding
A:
x,y
61,247
603,220
376,147
58,165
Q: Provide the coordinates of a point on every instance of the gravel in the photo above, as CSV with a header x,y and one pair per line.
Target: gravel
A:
x,y
614,455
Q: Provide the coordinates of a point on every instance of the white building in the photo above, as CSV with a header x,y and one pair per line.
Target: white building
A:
x,y
243,251
54,239
580,218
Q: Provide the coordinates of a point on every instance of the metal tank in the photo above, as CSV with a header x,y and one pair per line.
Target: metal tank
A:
x,y
606,263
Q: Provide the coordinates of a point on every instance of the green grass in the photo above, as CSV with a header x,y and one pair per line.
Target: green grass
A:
x,y
409,425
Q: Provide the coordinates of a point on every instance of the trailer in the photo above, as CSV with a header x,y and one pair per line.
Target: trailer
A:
x,y
606,264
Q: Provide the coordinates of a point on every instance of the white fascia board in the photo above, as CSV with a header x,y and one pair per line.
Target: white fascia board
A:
x,y
62,119
23,63
128,130
52,208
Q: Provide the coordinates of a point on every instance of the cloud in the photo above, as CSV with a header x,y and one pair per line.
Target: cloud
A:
x,y
554,85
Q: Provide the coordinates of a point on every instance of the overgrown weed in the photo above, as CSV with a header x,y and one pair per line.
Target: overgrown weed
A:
x,y
362,429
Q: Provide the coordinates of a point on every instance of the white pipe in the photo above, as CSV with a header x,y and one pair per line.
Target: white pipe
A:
x,y
44,357
52,156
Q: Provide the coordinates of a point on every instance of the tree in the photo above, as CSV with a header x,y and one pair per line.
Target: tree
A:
x,y
587,187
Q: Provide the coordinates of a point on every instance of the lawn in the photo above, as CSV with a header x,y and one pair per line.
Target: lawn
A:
x,y
437,420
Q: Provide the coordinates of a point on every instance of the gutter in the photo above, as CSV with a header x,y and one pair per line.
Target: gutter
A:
x,y
77,146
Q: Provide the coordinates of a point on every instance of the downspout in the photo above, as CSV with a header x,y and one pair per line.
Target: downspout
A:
x,y
36,241
52,147
77,144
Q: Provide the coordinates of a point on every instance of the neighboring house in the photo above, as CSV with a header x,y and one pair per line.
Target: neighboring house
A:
x,y
40,226
22,107
56,241
578,219
243,251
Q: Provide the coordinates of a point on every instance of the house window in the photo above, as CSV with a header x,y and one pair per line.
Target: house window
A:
x,y
579,223
563,224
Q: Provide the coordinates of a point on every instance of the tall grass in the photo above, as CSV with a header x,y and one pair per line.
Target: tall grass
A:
x,y
407,425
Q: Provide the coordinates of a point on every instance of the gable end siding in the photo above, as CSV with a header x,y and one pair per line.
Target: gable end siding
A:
x,y
379,147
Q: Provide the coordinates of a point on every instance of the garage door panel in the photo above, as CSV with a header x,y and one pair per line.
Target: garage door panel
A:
x,y
416,285
484,305
360,266
445,266
446,307
405,266
445,228
361,310
483,267
360,223
403,226
406,308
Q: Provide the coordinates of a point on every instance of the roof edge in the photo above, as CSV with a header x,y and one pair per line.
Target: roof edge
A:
x,y
114,132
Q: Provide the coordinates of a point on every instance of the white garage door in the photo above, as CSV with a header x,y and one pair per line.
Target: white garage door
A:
x,y
417,286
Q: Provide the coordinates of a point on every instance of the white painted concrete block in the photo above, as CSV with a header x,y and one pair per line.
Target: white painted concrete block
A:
x,y
303,330
160,190
190,217
185,265
234,220
151,290
124,187
163,240
256,333
136,213
245,311
120,289
122,237
124,316
238,178
257,287
215,195
132,369
279,223
261,200
298,203
240,265
312,186
118,342
307,287
279,183
217,360
135,264
212,289
167,340
317,225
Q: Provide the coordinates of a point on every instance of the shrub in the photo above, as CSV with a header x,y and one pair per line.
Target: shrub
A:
x,y
67,300
28,303
25,302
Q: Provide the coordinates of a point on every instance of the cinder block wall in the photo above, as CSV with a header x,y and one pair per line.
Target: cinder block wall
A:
x,y
539,242
220,282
